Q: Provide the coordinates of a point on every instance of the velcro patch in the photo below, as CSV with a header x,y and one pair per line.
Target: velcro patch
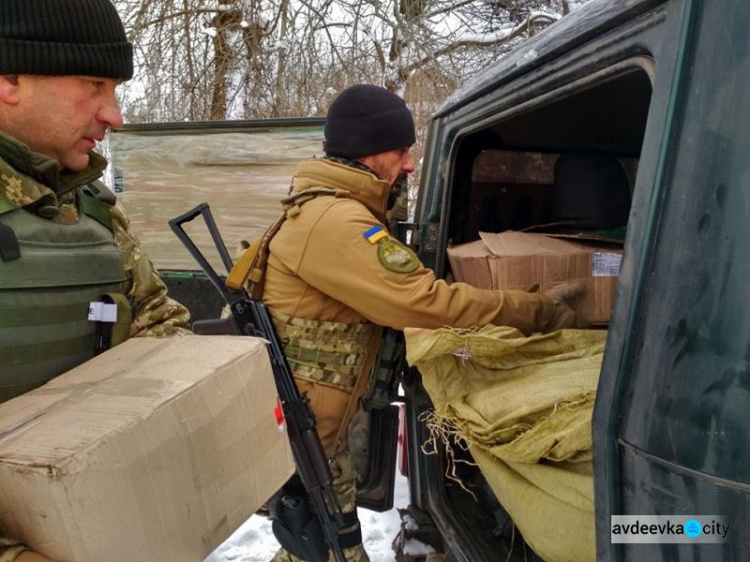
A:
x,y
396,257
393,255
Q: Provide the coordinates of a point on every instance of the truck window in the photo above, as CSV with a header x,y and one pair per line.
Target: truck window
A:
x,y
515,190
503,174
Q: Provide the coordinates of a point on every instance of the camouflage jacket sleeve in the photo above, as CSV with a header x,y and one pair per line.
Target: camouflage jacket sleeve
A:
x,y
153,312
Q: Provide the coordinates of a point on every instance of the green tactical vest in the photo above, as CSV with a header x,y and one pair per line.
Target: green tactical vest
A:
x,y
49,273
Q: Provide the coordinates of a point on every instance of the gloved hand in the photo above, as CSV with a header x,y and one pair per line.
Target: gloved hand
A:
x,y
564,317
566,291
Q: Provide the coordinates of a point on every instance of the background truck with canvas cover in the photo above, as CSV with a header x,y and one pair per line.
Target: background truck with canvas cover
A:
x,y
242,168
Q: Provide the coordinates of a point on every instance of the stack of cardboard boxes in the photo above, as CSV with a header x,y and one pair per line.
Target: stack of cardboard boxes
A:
x,y
518,260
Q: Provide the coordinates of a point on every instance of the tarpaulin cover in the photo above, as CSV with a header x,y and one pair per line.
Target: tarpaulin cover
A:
x,y
523,405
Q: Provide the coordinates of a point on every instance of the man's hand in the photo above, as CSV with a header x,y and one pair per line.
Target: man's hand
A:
x,y
564,317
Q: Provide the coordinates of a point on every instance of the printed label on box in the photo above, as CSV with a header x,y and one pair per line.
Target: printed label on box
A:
x,y
605,264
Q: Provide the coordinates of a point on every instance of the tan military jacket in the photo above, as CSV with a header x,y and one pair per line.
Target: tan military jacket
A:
x,y
28,178
321,266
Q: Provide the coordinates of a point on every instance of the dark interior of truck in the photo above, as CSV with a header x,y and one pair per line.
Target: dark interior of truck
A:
x,y
504,174
504,178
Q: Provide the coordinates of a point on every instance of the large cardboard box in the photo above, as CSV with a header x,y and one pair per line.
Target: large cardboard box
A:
x,y
518,260
156,450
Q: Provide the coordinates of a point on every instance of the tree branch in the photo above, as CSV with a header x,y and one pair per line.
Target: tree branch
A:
x,y
469,43
162,19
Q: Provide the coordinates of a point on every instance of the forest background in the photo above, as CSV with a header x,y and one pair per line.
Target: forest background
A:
x,y
203,60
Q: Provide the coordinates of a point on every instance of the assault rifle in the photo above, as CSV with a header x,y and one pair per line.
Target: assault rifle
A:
x,y
251,318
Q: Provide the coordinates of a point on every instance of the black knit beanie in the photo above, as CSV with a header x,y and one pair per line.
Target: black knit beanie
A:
x,y
365,120
63,37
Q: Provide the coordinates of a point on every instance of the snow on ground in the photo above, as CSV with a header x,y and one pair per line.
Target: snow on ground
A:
x,y
254,541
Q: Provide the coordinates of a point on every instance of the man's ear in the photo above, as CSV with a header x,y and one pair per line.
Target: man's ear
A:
x,y
9,89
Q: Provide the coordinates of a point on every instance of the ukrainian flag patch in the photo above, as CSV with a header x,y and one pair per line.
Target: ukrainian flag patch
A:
x,y
374,234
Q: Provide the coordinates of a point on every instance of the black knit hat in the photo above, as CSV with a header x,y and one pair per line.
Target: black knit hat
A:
x,y
63,37
365,120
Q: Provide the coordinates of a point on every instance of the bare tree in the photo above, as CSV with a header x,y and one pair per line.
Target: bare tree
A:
x,y
219,59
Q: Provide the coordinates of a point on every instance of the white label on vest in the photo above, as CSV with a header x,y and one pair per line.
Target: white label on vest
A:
x,y
102,312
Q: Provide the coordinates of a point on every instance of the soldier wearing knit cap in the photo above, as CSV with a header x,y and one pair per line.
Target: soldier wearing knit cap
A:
x,y
332,277
64,239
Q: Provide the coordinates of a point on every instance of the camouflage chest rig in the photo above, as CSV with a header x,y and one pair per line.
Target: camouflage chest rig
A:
x,y
49,274
327,353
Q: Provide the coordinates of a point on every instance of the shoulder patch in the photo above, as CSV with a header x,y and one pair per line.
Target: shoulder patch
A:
x,y
396,257
374,234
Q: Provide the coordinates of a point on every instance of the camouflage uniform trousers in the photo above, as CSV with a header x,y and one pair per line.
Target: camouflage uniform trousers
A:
x,y
345,485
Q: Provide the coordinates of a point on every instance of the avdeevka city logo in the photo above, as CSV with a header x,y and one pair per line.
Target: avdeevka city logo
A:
x,y
669,529
693,528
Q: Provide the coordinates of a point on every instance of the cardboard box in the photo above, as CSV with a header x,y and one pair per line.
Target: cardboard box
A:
x,y
518,260
156,450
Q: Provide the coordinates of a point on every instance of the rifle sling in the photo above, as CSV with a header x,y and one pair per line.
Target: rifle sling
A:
x,y
357,392
252,264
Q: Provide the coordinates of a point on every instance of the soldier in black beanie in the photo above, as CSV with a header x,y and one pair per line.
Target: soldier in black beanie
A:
x,y
64,239
333,276
365,120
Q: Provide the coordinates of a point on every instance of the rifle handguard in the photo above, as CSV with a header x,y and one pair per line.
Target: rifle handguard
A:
x,y
215,327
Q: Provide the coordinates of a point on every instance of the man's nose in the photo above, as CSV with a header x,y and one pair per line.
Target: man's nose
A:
x,y
408,166
110,113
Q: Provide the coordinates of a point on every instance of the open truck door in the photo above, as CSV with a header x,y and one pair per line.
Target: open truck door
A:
x,y
660,86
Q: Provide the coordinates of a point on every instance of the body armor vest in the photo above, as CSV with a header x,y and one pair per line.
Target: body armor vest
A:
x,y
49,273
331,353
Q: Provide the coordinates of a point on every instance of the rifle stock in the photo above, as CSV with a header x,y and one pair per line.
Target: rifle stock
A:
x,y
251,318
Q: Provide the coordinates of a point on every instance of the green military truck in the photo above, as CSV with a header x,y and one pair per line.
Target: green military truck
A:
x,y
663,87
